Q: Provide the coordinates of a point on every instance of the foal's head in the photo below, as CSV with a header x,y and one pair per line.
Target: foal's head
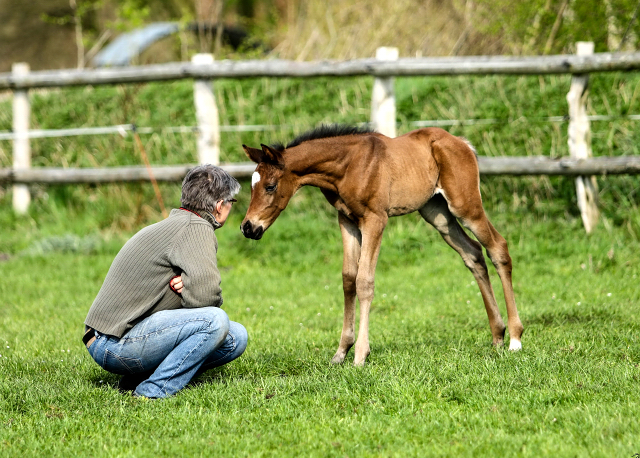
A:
x,y
272,185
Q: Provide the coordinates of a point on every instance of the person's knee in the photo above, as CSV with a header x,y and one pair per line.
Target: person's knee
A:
x,y
218,324
240,335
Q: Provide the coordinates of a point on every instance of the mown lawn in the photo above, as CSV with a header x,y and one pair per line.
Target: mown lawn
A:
x,y
433,385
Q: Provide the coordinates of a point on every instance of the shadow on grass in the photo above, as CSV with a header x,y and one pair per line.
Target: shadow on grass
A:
x,y
104,379
127,384
572,317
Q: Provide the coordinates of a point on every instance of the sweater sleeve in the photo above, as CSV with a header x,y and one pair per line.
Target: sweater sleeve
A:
x,y
195,254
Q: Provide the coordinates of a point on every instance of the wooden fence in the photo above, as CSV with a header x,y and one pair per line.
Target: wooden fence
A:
x,y
384,68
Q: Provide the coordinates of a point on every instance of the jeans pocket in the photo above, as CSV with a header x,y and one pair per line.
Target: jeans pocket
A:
x,y
120,365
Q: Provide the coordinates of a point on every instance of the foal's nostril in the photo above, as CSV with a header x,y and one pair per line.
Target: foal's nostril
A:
x,y
250,232
246,229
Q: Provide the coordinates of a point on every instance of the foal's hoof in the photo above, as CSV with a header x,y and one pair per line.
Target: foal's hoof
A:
x,y
359,363
338,358
515,345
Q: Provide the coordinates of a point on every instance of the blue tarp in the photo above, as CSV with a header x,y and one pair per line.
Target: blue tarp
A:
x,y
126,47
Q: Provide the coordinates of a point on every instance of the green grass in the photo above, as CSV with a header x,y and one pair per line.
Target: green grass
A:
x,y
433,385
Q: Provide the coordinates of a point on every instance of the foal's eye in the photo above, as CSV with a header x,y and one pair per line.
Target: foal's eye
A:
x,y
271,187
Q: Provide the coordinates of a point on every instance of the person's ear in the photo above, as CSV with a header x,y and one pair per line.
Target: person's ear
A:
x,y
219,205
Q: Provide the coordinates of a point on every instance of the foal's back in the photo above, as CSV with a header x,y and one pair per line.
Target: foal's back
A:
x,y
414,165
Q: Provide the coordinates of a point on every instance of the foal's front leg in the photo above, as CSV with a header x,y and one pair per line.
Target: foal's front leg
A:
x,y
372,227
351,242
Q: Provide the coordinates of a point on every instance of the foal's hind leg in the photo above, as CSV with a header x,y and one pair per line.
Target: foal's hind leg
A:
x,y
436,213
498,252
465,204
459,180
351,241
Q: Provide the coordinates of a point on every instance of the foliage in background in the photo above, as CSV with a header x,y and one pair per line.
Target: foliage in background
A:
x,y
553,26
347,29
341,29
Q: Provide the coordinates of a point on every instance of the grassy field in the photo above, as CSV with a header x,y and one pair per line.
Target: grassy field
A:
x,y
433,385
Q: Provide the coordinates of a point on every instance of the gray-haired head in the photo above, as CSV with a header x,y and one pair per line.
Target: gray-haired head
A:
x,y
205,185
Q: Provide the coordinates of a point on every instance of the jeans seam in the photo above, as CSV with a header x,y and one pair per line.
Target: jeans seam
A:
x,y
121,359
157,331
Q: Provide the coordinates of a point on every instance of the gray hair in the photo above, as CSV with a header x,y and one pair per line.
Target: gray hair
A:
x,y
205,185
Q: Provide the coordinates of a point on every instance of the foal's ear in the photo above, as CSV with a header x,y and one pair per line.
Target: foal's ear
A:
x,y
255,154
272,155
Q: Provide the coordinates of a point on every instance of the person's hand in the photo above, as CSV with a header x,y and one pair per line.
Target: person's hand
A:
x,y
176,284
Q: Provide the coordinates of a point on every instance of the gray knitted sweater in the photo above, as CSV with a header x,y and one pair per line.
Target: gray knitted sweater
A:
x,y
137,284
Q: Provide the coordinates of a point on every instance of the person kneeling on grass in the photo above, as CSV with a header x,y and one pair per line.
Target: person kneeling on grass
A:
x,y
157,318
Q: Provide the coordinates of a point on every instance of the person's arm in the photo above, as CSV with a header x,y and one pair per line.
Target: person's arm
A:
x,y
195,254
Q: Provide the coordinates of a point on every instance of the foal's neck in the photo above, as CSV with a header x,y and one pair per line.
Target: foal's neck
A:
x,y
320,163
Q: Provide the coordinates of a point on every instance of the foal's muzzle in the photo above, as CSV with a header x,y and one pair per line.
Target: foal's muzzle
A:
x,y
251,232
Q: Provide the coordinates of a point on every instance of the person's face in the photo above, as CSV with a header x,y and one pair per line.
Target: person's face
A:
x,y
223,208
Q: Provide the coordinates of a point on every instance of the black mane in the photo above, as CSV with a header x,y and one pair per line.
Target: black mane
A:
x,y
324,131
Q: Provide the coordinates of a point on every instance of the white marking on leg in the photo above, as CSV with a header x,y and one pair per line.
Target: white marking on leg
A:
x,y
515,345
255,178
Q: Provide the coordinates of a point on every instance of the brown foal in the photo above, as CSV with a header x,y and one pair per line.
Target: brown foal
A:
x,y
369,177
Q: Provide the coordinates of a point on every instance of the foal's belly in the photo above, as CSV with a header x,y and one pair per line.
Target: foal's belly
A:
x,y
406,206
411,189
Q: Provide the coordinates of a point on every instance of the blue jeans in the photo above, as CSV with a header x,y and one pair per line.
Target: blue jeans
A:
x,y
171,347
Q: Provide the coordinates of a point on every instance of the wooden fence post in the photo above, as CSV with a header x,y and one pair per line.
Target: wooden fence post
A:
x,y
21,146
580,141
383,98
206,116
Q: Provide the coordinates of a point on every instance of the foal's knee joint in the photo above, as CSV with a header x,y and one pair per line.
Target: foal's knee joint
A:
x,y
499,255
502,260
364,288
475,262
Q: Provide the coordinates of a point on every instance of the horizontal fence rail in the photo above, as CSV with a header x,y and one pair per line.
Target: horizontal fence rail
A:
x,y
123,129
468,65
542,165
514,166
56,175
